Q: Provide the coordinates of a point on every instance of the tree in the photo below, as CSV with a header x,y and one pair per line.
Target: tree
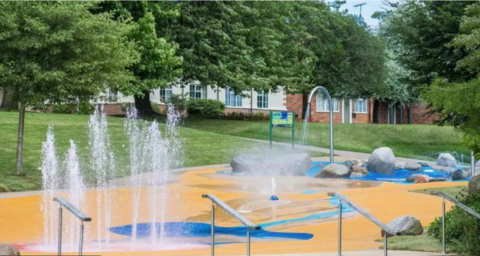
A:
x,y
459,102
158,65
59,52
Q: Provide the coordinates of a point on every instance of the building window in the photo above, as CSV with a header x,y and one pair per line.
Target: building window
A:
x,y
360,106
166,95
232,99
262,99
198,92
112,95
323,106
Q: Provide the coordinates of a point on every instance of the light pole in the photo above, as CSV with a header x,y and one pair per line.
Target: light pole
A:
x,y
360,5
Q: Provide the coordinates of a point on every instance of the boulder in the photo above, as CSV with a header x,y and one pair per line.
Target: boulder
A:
x,y
424,164
422,178
292,164
477,164
400,165
382,161
406,226
474,185
334,170
354,161
411,178
359,169
246,163
8,250
444,168
356,175
413,166
446,159
461,174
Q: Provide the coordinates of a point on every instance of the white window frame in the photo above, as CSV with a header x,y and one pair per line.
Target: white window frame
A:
x,y
323,106
166,95
363,109
262,99
196,89
112,96
232,99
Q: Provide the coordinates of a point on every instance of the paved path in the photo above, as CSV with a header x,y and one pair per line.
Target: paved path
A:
x,y
341,153
364,253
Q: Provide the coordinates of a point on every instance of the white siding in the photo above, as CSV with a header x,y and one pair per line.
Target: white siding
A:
x,y
276,101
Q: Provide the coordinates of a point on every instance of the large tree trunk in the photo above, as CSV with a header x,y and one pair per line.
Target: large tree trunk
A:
x,y
5,103
143,104
21,126
304,104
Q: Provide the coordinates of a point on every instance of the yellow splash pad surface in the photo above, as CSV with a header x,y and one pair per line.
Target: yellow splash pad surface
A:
x,y
21,218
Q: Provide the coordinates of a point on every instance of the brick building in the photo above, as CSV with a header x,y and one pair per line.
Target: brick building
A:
x,y
361,111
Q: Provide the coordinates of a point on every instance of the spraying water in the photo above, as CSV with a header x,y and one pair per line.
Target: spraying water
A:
x,y
50,171
150,153
103,165
76,189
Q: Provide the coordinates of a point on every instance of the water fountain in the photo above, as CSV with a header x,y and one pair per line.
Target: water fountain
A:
x,y
307,117
151,154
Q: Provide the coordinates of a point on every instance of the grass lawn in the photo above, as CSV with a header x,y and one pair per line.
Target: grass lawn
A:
x,y
201,147
423,242
412,141
452,191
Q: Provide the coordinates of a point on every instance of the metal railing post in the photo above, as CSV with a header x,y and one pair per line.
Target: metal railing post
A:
x,y
340,228
472,163
444,246
385,243
60,230
248,241
80,249
213,229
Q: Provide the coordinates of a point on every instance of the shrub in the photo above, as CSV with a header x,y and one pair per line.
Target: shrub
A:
x,y
462,230
205,107
156,108
64,108
85,108
180,101
126,105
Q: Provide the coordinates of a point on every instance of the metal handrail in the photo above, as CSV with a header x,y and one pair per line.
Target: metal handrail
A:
x,y
387,231
82,217
457,203
234,214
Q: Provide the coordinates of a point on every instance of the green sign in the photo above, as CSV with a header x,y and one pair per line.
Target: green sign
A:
x,y
282,119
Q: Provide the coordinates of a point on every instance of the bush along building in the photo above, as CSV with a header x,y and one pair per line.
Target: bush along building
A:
x,y
346,111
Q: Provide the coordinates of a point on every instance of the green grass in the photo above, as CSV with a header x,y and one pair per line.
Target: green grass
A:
x,y
412,141
201,147
423,243
452,191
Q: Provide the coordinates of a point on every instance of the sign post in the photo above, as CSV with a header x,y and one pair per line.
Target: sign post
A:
x,y
282,119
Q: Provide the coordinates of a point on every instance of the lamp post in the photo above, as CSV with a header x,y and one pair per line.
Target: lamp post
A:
x,y
360,5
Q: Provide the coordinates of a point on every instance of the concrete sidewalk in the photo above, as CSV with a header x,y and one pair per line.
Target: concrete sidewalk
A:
x,y
363,253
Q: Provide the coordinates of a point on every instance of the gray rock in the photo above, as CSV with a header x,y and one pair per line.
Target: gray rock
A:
x,y
400,165
474,185
477,164
424,164
382,161
446,159
334,170
292,164
8,250
444,168
356,175
246,163
406,226
461,174
413,166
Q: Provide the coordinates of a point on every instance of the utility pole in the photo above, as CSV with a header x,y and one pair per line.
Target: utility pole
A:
x,y
360,5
